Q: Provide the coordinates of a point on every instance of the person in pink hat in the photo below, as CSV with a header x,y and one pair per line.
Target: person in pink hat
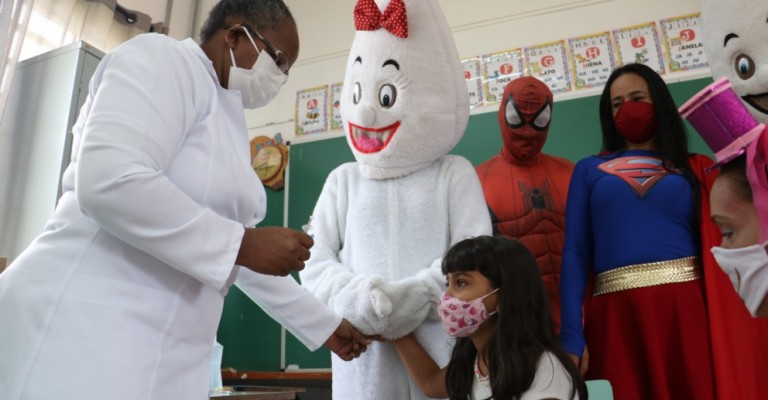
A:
x,y
734,135
734,40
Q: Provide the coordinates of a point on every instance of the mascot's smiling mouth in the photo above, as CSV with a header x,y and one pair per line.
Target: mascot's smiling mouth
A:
x,y
758,101
371,140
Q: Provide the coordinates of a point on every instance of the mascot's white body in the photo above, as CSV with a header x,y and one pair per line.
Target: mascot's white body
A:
x,y
383,223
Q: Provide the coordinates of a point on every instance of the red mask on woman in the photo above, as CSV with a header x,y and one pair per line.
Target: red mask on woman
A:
x,y
635,121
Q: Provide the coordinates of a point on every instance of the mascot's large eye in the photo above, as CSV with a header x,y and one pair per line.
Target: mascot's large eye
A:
x,y
745,66
387,96
510,113
542,120
356,93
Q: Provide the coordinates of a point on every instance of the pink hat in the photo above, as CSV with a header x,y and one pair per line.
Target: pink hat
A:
x,y
722,120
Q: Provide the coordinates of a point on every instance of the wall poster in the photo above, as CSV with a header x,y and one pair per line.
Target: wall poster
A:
x,y
498,70
311,114
592,60
474,78
639,44
548,62
335,106
682,40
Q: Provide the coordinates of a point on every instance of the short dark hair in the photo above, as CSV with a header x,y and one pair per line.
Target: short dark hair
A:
x,y
736,171
263,14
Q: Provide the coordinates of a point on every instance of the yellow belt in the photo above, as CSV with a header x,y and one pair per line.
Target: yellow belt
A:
x,y
648,274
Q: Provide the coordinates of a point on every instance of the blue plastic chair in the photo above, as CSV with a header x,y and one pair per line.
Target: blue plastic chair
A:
x,y
599,390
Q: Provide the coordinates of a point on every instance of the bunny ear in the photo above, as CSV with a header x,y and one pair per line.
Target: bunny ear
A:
x,y
394,19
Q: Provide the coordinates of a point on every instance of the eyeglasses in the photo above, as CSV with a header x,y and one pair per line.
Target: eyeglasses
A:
x,y
280,58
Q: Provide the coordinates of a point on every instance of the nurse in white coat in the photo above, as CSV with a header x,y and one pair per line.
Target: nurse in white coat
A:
x,y
121,295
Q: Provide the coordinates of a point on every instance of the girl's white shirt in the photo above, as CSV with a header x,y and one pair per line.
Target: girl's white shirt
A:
x,y
551,381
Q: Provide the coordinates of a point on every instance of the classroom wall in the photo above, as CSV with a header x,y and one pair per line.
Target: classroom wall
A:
x,y
326,32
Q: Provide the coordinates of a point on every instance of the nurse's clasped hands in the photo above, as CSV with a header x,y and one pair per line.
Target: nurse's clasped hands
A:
x,y
347,342
273,250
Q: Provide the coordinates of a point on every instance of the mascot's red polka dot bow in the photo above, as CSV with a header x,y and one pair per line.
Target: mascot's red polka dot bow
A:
x,y
394,19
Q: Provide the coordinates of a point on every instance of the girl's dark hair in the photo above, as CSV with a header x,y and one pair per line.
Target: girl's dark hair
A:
x,y
736,171
263,14
524,329
671,139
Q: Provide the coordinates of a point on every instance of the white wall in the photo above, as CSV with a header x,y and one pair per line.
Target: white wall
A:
x,y
181,18
326,32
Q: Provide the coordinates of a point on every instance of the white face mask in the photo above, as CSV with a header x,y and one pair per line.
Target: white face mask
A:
x,y
748,269
260,84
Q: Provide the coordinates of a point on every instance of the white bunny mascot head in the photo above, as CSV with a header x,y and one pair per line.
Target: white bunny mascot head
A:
x,y
404,102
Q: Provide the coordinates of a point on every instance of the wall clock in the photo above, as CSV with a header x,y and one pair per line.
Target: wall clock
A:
x,y
269,157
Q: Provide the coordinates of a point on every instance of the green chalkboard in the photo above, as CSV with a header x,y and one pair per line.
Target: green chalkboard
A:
x,y
574,134
251,339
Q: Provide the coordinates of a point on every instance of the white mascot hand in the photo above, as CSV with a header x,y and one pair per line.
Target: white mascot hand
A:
x,y
367,307
411,306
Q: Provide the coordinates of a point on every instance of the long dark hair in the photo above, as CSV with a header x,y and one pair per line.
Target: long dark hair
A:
x,y
524,329
671,139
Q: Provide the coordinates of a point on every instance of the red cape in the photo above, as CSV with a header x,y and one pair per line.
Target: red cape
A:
x,y
739,342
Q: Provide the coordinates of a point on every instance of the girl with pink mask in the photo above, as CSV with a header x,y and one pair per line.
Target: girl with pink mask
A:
x,y
496,307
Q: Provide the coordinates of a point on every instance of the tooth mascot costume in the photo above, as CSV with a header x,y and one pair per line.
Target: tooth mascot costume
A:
x,y
734,35
382,224
525,189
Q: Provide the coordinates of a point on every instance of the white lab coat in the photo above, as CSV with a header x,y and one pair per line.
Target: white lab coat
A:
x,y
121,295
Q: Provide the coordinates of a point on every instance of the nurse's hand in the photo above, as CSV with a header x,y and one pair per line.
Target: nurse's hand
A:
x,y
273,250
347,342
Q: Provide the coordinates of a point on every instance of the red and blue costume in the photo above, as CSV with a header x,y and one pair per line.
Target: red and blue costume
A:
x,y
625,209
525,189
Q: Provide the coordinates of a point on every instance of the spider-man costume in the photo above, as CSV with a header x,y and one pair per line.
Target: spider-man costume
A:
x,y
525,189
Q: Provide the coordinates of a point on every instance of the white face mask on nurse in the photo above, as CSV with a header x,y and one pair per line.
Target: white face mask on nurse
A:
x,y
260,84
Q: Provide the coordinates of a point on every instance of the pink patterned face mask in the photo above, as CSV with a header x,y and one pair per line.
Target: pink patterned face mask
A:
x,y
461,318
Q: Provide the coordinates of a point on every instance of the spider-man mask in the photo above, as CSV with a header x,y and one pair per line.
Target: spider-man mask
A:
x,y
524,117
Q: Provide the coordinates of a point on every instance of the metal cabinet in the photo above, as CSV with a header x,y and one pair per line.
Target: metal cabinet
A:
x,y
36,139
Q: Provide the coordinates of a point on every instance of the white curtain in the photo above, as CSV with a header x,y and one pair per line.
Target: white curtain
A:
x,y
14,15
101,23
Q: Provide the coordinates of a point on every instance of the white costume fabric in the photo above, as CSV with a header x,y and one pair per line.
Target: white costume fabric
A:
x,y
734,33
121,295
383,223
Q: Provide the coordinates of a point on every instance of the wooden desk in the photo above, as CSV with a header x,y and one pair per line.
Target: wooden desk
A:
x,y
315,385
259,393
229,374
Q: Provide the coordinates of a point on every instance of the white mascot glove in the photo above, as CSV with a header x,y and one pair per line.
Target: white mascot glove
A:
x,y
366,305
412,302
